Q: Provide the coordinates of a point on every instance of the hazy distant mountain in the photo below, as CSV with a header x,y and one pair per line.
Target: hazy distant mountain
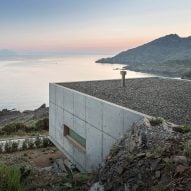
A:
x,y
5,53
169,55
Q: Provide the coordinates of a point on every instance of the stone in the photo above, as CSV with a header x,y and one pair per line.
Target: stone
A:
x,y
97,187
58,166
157,174
140,155
120,170
135,187
142,169
148,154
181,168
155,163
180,160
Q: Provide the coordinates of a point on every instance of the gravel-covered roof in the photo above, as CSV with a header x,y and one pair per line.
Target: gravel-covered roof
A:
x,y
167,98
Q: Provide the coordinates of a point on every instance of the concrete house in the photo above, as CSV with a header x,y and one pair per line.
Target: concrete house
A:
x,y
86,118
85,127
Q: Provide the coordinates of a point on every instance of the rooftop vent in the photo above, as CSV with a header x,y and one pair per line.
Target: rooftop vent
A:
x,y
123,73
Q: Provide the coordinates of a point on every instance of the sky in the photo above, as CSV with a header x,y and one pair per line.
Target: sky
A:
x,y
89,25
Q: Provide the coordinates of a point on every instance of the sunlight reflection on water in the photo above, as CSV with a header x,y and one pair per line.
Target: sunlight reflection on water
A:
x,y
24,82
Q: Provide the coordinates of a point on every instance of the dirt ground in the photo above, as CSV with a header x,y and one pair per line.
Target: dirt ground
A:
x,y
37,158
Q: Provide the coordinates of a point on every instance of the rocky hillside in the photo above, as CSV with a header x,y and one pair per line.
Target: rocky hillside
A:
x,y
27,117
168,55
152,156
187,75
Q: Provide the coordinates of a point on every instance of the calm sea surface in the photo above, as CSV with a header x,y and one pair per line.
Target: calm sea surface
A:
x,y
24,82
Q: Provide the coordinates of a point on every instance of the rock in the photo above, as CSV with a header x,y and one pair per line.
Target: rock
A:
x,y
179,129
68,185
96,187
166,159
153,168
180,160
58,166
42,111
9,112
140,155
25,117
70,165
181,168
25,172
186,75
148,154
157,174
120,170
135,187
155,163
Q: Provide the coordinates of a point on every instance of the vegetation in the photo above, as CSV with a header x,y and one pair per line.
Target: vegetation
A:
x,y
38,142
42,124
25,144
75,181
21,129
8,146
186,128
31,144
1,148
10,177
13,146
187,148
157,151
156,121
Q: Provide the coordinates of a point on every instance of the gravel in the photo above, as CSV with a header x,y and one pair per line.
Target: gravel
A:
x,y
159,97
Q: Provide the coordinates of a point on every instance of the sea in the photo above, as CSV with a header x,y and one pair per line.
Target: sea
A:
x,y
24,81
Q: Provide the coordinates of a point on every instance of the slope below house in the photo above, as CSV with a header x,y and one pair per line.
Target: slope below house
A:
x,y
169,55
148,158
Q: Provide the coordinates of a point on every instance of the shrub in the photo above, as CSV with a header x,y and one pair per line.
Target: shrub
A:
x,y
13,127
25,144
31,144
187,148
42,124
157,151
156,121
1,147
82,178
38,142
10,178
8,146
45,142
186,128
10,128
15,146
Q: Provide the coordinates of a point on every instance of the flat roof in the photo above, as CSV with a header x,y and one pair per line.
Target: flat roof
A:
x,y
160,97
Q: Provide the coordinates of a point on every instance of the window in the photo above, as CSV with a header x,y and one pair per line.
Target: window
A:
x,y
74,137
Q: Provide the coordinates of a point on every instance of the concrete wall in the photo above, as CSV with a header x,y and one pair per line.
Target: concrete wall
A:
x,y
100,122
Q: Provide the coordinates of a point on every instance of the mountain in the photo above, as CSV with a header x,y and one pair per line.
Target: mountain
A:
x,y
170,55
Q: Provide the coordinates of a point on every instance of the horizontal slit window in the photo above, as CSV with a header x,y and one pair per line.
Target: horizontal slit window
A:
x,y
75,137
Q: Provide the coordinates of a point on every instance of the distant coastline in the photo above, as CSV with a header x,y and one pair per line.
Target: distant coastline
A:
x,y
167,56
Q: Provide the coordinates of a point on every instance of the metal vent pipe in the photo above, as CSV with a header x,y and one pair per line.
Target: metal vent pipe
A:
x,y
123,73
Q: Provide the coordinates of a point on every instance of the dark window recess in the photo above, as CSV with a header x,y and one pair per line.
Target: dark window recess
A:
x,y
74,136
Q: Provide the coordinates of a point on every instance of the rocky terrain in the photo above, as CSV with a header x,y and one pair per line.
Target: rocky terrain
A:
x,y
168,56
42,169
187,75
27,117
152,156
